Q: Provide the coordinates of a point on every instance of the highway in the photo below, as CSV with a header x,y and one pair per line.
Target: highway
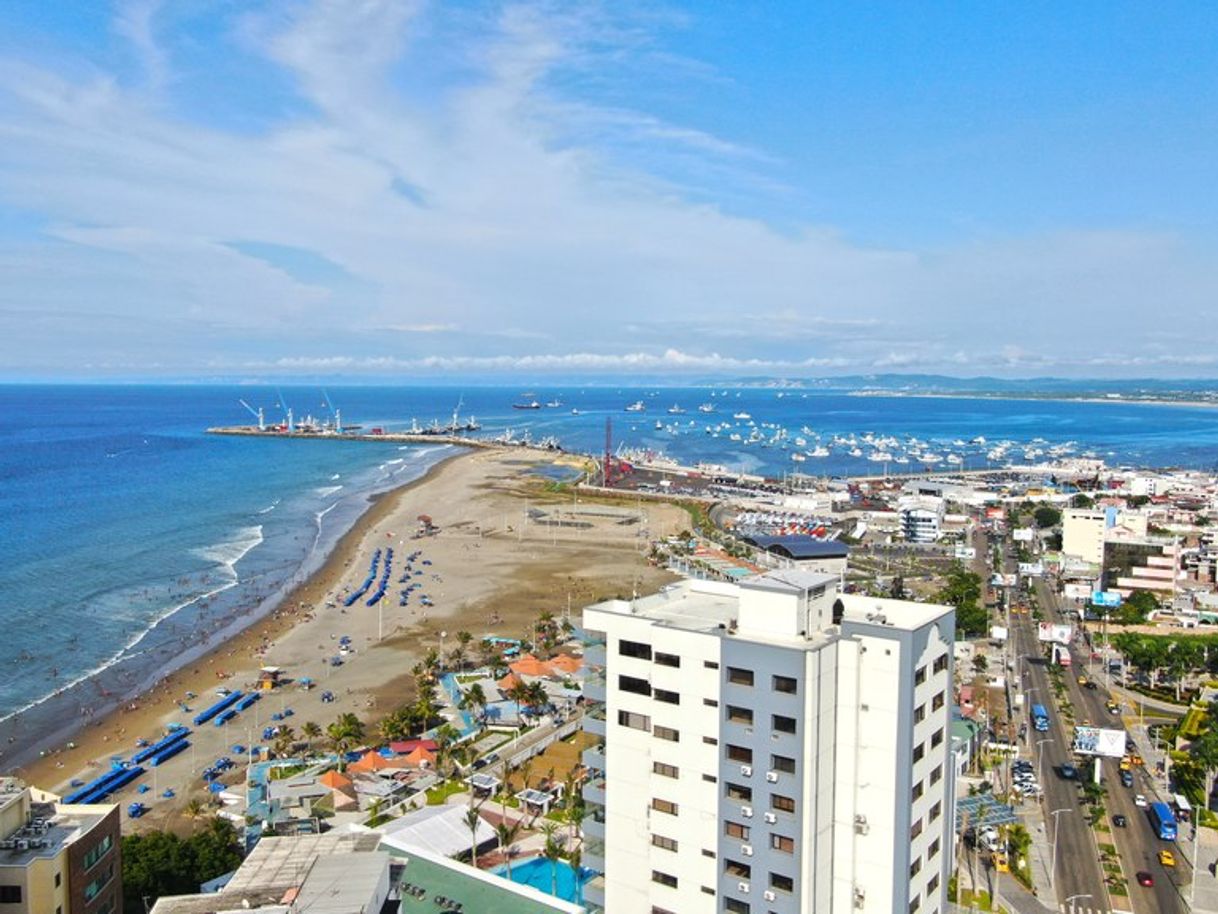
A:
x,y
1137,844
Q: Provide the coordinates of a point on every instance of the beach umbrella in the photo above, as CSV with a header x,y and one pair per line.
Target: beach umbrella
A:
x,y
215,787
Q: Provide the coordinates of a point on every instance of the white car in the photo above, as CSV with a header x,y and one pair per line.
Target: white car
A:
x,y
1139,801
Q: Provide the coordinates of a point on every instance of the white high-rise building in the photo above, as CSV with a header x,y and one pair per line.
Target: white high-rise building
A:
x,y
769,746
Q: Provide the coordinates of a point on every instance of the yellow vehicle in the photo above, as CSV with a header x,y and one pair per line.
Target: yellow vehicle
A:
x,y
1126,764
1082,680
1167,858
1136,759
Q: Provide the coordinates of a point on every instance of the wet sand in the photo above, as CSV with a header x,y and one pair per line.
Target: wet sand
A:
x,y
493,570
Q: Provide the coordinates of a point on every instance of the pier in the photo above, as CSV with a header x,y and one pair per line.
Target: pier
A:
x,y
252,431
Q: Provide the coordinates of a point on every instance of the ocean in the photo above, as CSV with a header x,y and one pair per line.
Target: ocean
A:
x,y
132,539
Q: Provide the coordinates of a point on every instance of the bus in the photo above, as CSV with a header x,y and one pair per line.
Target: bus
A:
x,y
1163,821
1040,718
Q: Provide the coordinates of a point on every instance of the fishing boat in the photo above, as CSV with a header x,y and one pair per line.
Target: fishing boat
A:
x,y
707,407
675,410
554,404
741,416
532,404
636,407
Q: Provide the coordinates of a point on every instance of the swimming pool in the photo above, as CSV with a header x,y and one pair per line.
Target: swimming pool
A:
x,y
536,872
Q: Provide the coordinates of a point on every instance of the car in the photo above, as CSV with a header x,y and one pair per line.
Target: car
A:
x,y
1145,879
1119,821
1167,858
1127,778
1126,764
1082,680
1139,801
1092,686
1068,772
1113,707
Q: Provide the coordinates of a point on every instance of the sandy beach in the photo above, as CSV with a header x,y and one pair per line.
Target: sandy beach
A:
x,y
495,565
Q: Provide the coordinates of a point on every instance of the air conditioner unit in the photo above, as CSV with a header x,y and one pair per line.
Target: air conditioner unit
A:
x,y
860,825
860,897
746,849
746,811
746,770
772,777
742,887
23,845
769,896
770,817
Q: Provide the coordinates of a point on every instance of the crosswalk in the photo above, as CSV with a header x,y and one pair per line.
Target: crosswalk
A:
x,y
1082,909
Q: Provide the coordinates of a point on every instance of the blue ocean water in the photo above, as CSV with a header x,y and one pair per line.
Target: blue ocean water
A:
x,y
130,535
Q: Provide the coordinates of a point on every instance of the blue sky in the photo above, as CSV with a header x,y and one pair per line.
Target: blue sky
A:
x,y
398,189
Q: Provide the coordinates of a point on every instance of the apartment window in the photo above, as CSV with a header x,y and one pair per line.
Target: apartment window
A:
x,y
937,702
781,803
932,884
10,894
736,830
781,882
739,715
634,649
668,733
941,663
740,754
915,868
919,714
936,738
936,810
669,698
737,791
710,741
634,685
97,852
656,909
710,778
738,676
634,721
710,702
668,771
667,659
710,664
782,763
664,806
919,751
783,724
664,879
737,869
933,849
663,843
735,906
93,889
920,676
936,775
785,684
782,843
915,904
916,830
917,791
707,890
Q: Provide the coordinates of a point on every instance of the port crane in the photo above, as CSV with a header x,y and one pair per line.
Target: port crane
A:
x,y
338,417
257,414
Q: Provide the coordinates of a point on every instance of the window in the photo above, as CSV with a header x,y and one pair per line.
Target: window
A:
x,y
660,841
707,852
634,721
668,771
634,649
782,843
736,830
781,882
668,733
917,791
936,738
737,869
664,879
783,724
656,909
93,889
665,806
667,659
669,698
58,880
936,810
710,702
919,751
10,894
915,904
937,702
737,791
710,664
634,685
919,714
916,830
920,676
738,715
735,906
710,778
737,676
915,868
933,849
97,852
782,763
936,775
785,684
933,884
941,663
781,803
710,741
740,754
707,890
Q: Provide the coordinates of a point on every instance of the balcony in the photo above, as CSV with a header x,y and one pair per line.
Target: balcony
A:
x,y
594,654
594,688
593,827
594,893
595,724
594,757
594,855
594,791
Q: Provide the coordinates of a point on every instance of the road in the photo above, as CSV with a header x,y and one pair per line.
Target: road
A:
x,y
1137,844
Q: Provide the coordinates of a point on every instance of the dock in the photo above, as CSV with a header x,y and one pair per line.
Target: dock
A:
x,y
252,431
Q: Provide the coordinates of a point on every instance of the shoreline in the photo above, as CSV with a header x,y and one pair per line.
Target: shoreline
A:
x,y
24,750
1030,398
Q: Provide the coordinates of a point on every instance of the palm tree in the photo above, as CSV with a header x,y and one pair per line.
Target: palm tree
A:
x,y
471,821
311,731
552,852
1204,751
474,698
344,734
194,810
537,698
284,740
507,835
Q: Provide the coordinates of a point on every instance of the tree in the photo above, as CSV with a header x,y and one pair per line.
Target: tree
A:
x,y
345,733
506,835
552,851
980,663
1204,752
194,810
311,731
472,820
161,863
962,589
285,739
474,699
1046,517
1082,501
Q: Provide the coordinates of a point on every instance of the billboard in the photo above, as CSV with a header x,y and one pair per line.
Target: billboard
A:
x,y
1105,598
1060,634
998,633
1096,741
1032,569
1022,535
966,552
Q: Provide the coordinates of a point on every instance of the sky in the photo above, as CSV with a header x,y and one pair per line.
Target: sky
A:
x,y
404,189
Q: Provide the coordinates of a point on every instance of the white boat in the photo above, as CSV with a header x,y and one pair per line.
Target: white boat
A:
x,y
659,425
707,407
636,407
741,416
819,451
798,457
675,410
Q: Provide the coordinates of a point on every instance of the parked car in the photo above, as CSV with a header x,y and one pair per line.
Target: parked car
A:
x,y
1144,878
1119,821
1167,858
1127,778
1139,801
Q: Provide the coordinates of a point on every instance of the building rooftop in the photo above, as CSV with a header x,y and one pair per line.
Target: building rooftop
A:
x,y
282,863
801,547
47,827
342,884
893,613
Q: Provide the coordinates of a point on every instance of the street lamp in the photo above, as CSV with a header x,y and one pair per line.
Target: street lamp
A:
x,y
1040,762
1053,864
